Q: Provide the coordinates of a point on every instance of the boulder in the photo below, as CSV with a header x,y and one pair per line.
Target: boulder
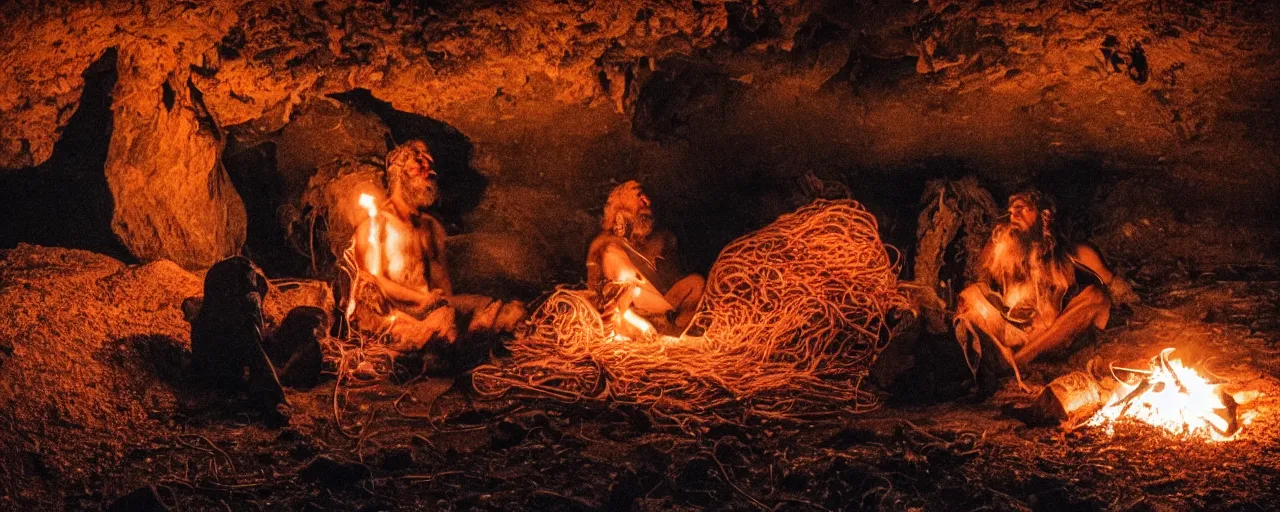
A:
x,y
172,198
227,333
288,294
294,348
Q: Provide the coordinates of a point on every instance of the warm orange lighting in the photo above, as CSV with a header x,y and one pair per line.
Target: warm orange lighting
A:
x,y
1174,398
637,321
373,256
626,275
1016,294
394,250
366,202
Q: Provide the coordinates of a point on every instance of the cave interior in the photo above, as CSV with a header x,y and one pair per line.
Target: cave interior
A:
x,y
143,141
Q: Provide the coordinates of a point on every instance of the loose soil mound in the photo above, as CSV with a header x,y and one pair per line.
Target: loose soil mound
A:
x,y
84,343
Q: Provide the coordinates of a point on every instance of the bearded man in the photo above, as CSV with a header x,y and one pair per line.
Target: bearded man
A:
x,y
403,285
633,266
1035,292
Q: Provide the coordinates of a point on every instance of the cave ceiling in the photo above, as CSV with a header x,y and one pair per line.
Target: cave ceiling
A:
x,y
1179,87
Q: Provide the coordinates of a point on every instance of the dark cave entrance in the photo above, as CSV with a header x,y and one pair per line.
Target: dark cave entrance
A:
x,y
65,201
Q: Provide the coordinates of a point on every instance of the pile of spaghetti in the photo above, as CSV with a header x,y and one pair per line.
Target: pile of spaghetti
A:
x,y
792,319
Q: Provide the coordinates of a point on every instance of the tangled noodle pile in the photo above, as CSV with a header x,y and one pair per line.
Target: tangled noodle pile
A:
x,y
792,319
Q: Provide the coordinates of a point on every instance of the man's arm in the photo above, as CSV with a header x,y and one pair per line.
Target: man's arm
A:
x,y
617,266
595,273
1089,258
437,267
1119,288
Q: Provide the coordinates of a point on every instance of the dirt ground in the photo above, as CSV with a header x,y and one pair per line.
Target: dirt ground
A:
x,y
95,405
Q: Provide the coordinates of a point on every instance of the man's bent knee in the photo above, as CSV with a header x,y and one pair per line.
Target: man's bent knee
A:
x,y
686,292
1096,300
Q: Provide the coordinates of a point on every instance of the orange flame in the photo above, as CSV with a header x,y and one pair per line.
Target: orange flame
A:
x,y
373,258
1176,399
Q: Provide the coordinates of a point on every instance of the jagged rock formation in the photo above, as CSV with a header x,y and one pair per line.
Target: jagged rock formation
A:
x,y
173,200
255,60
740,94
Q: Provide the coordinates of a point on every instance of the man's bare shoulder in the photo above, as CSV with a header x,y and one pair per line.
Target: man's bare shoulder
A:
x,y
604,240
430,224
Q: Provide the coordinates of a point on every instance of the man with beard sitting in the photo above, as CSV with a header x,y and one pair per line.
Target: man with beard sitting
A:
x,y
1035,292
633,267
403,285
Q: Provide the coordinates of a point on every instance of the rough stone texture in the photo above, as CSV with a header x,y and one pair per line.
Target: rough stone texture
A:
x,y
172,198
97,351
324,132
1088,99
286,295
258,59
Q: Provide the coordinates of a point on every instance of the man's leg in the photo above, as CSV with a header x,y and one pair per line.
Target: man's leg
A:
x,y
487,314
410,334
1090,307
984,337
684,297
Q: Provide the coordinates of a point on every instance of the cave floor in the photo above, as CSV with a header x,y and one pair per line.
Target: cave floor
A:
x,y
442,449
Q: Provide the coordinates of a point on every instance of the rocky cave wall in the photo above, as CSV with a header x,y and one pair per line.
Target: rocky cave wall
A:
x,y
1153,122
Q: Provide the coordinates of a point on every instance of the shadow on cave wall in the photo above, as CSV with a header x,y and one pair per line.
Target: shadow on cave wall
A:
x,y
66,201
742,157
252,170
346,132
461,186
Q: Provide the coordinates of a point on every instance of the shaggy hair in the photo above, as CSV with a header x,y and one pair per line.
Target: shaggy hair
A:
x,y
398,157
624,199
1038,257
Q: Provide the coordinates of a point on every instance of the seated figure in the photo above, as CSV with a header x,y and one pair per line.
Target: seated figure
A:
x,y
633,269
402,282
1035,293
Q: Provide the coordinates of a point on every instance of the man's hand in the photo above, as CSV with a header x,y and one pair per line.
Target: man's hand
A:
x,y
1121,291
432,299
414,299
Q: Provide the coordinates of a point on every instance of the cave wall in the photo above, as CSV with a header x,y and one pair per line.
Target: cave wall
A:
x,y
1152,121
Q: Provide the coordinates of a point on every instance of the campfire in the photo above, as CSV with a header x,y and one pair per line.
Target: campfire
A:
x,y
1173,397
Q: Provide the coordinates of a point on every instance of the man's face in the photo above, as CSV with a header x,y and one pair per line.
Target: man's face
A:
x,y
419,181
1022,216
643,215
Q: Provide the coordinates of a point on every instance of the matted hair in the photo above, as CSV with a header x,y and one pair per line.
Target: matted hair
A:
x,y
623,198
407,152
1042,261
1037,200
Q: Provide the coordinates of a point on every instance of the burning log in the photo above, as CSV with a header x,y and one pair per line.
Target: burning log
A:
x,y
1168,395
1172,397
1068,401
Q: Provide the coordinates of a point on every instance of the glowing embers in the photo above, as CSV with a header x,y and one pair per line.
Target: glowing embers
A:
x,y
1172,397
